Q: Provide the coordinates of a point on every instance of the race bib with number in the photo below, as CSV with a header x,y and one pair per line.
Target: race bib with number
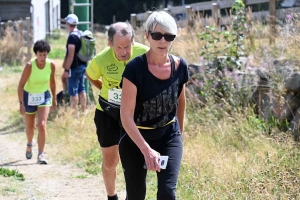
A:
x,y
36,99
114,96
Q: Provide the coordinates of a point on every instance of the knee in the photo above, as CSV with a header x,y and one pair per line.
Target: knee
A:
x,y
166,193
30,127
110,163
42,125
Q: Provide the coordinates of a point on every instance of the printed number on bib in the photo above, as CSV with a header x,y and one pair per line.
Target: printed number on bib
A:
x,y
36,99
114,96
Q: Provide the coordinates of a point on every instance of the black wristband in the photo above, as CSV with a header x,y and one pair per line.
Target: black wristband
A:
x,y
66,70
21,102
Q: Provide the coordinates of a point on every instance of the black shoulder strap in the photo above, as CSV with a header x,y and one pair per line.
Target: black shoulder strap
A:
x,y
172,64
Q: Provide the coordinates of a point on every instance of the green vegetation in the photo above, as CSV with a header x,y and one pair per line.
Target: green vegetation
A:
x,y
229,153
81,176
11,173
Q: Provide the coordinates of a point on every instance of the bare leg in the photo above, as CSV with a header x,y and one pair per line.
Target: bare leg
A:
x,y
109,168
82,97
30,125
43,113
74,102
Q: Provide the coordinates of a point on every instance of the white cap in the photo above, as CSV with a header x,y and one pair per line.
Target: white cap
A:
x,y
72,19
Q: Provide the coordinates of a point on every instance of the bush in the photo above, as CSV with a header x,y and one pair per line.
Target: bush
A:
x,y
11,47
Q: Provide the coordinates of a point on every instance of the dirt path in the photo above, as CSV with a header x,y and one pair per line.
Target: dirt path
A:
x,y
52,181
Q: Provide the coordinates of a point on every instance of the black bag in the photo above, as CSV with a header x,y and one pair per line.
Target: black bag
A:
x,y
111,109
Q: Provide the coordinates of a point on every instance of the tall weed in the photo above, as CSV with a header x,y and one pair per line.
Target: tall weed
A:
x,y
12,47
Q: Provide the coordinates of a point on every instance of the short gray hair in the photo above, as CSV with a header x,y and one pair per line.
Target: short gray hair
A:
x,y
120,28
164,20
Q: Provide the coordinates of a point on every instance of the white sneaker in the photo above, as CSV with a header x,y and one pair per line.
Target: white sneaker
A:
x,y
41,160
288,3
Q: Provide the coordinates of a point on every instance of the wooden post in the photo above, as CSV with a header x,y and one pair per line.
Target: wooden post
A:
x,y
133,20
28,37
189,16
20,28
9,22
272,13
1,27
215,13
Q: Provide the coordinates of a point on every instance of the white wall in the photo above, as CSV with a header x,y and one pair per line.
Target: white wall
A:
x,y
54,14
39,17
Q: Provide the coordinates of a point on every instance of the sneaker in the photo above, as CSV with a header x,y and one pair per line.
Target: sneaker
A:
x,y
29,153
41,160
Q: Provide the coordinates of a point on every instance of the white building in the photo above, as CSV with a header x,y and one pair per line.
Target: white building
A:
x,y
45,15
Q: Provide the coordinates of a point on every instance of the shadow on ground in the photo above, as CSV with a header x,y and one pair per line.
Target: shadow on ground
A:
x,y
15,163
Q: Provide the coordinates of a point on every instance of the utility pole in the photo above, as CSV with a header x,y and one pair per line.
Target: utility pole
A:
x,y
84,11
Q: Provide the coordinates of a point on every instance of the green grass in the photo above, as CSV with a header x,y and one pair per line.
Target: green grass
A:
x,y
10,190
228,153
81,176
11,173
225,156
57,54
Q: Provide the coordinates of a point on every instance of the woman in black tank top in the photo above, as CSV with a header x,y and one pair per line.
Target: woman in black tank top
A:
x,y
152,112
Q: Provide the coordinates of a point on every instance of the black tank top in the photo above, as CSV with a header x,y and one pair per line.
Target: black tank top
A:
x,y
156,100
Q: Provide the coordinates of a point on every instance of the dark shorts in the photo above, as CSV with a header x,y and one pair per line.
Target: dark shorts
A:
x,y
76,81
32,109
108,129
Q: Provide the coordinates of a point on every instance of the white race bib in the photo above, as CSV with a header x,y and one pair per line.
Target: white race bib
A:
x,y
36,99
114,96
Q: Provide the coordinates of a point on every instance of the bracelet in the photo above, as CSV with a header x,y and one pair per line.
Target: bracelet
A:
x,y
66,70
21,102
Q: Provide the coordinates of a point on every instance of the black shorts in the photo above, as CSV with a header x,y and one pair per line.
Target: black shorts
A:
x,y
108,129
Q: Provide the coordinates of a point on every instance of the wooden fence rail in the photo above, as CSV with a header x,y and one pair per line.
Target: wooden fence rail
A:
x,y
21,28
196,7
215,7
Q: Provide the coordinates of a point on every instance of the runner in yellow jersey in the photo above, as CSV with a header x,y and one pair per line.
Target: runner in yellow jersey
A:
x,y
35,97
105,72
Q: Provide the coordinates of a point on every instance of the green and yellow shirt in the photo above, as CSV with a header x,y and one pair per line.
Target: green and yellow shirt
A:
x,y
38,81
106,66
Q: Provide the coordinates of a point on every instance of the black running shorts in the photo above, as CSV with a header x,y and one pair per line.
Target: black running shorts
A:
x,y
108,129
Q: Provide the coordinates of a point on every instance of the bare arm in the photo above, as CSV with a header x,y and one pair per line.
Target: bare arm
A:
x,y
181,109
128,102
96,83
53,85
64,62
22,82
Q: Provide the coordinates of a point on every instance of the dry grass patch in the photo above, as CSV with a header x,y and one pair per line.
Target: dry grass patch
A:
x,y
12,47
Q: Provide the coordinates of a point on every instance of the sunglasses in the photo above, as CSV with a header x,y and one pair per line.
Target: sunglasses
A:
x,y
158,36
